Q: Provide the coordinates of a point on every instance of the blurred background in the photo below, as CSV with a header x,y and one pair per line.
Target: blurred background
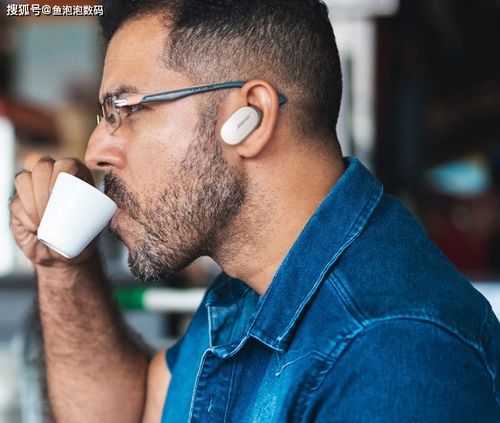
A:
x,y
421,109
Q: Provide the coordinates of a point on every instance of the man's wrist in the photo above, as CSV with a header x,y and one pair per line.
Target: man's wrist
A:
x,y
68,272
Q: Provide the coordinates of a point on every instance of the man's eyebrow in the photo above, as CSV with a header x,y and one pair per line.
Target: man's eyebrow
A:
x,y
122,89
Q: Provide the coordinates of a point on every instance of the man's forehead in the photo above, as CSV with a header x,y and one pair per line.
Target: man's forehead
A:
x,y
131,50
133,59
138,39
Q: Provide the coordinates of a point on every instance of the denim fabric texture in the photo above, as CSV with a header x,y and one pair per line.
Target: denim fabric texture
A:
x,y
364,321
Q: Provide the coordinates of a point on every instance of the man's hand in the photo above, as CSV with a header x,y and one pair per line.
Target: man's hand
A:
x,y
28,205
88,349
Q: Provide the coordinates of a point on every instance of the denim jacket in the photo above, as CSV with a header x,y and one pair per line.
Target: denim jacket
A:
x,y
364,321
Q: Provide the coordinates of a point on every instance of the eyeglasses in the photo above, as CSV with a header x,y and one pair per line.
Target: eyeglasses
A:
x,y
112,105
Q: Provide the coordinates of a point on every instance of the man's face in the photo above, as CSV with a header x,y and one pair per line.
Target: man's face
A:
x,y
164,166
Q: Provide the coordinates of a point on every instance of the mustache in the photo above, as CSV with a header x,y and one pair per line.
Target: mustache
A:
x,y
118,191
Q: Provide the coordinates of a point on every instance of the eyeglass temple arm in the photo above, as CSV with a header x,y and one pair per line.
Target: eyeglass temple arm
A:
x,y
184,92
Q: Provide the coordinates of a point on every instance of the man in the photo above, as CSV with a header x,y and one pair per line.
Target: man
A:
x,y
333,304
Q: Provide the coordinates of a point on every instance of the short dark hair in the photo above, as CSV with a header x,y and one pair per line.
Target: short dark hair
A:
x,y
289,43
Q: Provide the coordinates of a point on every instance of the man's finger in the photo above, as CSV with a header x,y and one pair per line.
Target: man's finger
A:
x,y
18,215
24,189
41,176
73,167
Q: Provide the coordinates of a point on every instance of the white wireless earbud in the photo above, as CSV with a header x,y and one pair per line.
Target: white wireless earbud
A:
x,y
240,125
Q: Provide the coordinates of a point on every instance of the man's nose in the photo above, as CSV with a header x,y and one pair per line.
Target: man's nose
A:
x,y
105,151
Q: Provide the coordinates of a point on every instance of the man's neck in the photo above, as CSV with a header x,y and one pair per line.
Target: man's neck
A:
x,y
271,221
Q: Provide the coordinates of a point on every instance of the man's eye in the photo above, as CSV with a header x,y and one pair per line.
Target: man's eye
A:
x,y
132,109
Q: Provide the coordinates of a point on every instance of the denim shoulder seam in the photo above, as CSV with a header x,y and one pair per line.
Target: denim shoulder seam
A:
x,y
336,353
431,319
365,321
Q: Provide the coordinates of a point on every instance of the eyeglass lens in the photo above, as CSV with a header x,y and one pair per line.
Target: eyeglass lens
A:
x,y
111,114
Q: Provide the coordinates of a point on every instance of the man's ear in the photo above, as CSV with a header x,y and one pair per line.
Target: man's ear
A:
x,y
251,117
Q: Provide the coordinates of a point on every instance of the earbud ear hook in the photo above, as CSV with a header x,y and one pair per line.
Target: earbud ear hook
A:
x,y
240,125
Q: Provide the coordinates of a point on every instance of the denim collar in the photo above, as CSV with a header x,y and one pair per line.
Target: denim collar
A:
x,y
335,224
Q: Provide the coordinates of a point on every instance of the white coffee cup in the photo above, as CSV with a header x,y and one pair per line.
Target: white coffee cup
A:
x,y
76,213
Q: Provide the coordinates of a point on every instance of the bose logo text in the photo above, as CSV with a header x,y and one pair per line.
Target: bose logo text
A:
x,y
242,122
